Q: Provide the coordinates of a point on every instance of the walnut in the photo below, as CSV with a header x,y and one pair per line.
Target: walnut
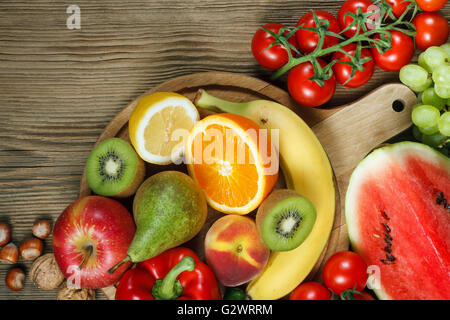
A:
x,y
65,293
45,272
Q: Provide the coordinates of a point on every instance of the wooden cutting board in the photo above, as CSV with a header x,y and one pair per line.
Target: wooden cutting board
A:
x,y
348,133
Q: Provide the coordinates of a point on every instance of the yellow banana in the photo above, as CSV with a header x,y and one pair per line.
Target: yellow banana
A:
x,y
308,171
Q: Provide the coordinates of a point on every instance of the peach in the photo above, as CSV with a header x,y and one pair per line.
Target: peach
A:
x,y
234,250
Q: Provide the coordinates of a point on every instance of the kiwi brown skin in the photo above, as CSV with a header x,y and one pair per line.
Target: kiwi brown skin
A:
x,y
138,175
137,181
266,206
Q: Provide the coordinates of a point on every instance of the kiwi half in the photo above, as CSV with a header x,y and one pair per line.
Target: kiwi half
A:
x,y
114,169
285,219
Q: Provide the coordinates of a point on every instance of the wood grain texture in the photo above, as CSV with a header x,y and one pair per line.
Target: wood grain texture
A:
x,y
59,88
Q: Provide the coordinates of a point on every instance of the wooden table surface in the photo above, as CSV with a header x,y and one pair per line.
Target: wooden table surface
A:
x,y
59,88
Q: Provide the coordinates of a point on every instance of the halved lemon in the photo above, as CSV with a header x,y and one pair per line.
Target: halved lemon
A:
x,y
159,125
233,161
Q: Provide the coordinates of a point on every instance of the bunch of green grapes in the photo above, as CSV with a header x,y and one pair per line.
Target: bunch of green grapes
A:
x,y
431,80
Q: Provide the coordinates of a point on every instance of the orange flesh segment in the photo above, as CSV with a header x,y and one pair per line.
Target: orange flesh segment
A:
x,y
233,171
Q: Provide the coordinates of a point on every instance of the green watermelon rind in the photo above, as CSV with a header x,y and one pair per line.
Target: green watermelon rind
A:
x,y
366,163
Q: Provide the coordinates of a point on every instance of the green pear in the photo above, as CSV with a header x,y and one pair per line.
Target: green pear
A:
x,y
169,209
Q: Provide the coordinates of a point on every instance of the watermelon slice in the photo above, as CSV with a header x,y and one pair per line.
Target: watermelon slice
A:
x,y
397,211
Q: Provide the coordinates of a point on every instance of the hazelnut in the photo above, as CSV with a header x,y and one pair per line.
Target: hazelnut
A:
x,y
31,249
45,272
5,234
42,229
65,293
15,278
9,254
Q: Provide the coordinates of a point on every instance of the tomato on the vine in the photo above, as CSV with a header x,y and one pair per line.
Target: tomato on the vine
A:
x,y
352,6
310,291
276,56
398,56
398,6
345,270
343,71
307,92
431,29
431,5
307,40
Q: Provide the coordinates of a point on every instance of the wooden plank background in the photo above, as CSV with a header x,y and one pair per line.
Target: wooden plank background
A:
x,y
59,88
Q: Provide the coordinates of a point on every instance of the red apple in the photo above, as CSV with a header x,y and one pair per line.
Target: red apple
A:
x,y
91,236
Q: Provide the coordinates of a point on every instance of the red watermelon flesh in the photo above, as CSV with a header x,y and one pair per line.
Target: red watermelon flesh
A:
x,y
391,208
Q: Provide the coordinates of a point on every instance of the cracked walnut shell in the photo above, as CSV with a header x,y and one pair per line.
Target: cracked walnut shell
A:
x,y
45,272
65,293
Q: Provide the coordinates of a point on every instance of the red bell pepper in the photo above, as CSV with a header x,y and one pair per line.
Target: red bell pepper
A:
x,y
174,274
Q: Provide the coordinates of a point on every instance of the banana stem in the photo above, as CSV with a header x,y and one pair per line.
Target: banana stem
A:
x,y
207,101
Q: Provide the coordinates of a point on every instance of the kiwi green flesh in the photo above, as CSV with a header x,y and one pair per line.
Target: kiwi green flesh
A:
x,y
288,223
111,167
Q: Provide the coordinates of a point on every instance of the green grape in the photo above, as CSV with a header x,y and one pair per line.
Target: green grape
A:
x,y
419,89
413,75
429,130
425,116
431,98
442,91
423,64
435,57
441,75
417,134
434,140
420,97
446,47
444,123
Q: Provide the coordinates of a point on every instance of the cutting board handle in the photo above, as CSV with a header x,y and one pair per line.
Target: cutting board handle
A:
x,y
354,131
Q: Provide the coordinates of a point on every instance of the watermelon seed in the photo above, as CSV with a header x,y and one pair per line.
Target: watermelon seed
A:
x,y
390,257
387,227
388,249
385,215
385,261
387,237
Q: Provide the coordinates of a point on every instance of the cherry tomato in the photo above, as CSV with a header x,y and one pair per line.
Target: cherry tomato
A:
x,y
431,30
399,55
307,92
310,291
351,6
398,6
274,57
343,71
307,40
431,5
345,270
363,296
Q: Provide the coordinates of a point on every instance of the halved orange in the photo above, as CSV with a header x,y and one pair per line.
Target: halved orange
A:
x,y
233,161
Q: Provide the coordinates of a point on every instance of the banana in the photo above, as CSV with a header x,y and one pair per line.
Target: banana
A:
x,y
308,171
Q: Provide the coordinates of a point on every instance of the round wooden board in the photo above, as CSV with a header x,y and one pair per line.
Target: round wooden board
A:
x,y
233,87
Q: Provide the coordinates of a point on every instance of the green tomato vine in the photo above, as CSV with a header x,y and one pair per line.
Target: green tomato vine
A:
x,y
363,38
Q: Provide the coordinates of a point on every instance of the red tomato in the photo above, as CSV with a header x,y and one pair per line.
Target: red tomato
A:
x,y
399,55
398,6
310,291
307,92
363,296
431,30
275,57
307,40
431,5
351,6
343,71
345,270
